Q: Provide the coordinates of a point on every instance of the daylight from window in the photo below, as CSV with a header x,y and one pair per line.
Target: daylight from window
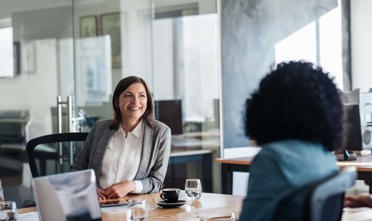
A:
x,y
6,52
324,50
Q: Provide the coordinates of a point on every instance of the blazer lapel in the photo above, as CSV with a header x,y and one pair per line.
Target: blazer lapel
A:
x,y
147,151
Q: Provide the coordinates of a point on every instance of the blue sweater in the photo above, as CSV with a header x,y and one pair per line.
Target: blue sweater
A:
x,y
280,169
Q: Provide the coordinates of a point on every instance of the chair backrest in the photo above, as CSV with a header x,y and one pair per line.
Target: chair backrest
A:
x,y
54,151
326,198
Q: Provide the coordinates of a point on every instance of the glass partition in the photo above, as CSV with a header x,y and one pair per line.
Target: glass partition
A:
x,y
186,81
80,49
41,32
113,40
174,47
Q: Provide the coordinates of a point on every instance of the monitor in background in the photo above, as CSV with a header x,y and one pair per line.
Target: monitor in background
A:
x,y
352,133
359,119
170,113
351,142
67,196
358,124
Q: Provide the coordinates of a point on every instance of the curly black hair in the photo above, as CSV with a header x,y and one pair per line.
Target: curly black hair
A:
x,y
297,100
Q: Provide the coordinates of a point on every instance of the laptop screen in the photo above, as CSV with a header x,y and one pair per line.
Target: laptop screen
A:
x,y
67,196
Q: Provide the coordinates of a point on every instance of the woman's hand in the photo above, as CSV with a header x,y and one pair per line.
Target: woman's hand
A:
x,y
119,190
358,201
100,194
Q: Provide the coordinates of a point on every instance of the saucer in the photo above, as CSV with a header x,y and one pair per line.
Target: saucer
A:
x,y
171,205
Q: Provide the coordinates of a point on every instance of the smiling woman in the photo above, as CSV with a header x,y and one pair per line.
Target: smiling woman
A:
x,y
130,152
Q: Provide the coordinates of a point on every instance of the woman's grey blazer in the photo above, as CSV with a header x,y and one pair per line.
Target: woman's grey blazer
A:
x,y
154,159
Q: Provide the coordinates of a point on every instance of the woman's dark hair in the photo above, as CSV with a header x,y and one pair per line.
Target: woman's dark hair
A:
x,y
297,100
123,84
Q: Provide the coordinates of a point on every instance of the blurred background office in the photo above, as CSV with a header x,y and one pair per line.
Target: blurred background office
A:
x,y
201,58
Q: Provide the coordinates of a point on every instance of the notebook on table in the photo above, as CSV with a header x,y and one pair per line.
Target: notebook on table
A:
x,y
67,196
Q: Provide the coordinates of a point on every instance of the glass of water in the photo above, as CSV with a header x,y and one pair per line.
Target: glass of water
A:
x,y
193,189
137,211
8,210
1,192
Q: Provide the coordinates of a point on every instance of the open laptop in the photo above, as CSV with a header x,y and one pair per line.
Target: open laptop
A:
x,y
67,196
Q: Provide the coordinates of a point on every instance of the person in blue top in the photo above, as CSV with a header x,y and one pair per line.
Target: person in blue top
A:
x,y
296,117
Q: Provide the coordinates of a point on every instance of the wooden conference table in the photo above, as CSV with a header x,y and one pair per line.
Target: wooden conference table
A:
x,y
210,205
242,164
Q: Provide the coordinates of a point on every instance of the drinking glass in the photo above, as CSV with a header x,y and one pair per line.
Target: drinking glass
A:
x,y
137,212
8,210
1,192
193,189
234,216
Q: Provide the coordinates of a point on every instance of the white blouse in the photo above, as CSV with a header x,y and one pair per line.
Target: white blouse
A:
x,y
122,157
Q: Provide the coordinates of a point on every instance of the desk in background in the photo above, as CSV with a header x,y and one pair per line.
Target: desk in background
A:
x,y
229,166
177,168
196,140
192,153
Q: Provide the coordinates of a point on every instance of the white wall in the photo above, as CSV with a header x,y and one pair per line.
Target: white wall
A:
x,y
361,44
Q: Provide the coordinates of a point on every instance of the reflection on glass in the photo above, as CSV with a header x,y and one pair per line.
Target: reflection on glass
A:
x,y
94,71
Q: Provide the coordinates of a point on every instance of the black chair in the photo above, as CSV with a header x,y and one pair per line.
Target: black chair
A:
x,y
326,198
58,148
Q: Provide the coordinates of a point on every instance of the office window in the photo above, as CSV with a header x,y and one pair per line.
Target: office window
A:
x,y
6,52
319,42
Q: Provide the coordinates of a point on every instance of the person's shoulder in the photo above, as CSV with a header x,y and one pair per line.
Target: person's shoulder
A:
x,y
282,149
287,152
160,125
290,145
101,124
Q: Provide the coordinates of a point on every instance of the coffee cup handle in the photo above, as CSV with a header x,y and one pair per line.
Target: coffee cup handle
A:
x,y
162,195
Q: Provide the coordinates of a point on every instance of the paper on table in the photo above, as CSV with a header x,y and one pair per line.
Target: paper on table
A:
x,y
34,216
29,216
357,214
